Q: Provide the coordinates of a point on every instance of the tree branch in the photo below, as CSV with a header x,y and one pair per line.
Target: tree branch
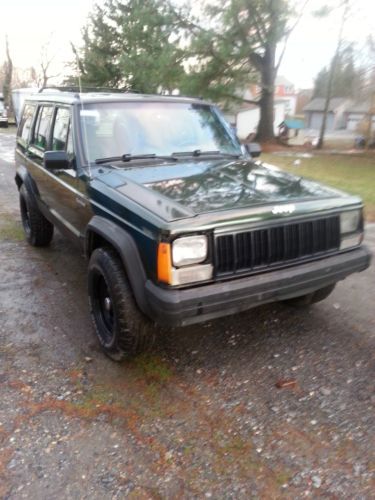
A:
x,y
261,35
78,61
240,99
191,26
287,36
256,59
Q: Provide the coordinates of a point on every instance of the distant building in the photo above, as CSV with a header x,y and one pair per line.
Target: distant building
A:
x,y
246,116
304,96
286,92
357,115
336,117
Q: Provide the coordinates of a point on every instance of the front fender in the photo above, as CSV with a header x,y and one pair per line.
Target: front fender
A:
x,y
127,249
23,177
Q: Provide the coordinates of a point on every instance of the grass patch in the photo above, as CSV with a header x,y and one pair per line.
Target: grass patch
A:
x,y
354,174
152,368
96,398
11,230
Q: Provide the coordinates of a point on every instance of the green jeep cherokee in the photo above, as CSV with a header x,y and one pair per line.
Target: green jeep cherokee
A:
x,y
178,222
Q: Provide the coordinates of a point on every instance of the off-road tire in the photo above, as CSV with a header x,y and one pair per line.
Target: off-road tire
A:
x,y
123,331
310,298
38,230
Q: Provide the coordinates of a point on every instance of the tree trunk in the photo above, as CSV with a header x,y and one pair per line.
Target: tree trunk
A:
x,y
8,67
332,71
322,132
268,73
369,136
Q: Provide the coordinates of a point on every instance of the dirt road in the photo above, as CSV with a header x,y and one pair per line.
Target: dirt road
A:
x,y
200,416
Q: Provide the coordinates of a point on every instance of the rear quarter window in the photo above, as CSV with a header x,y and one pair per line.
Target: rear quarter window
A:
x,y
42,127
61,129
23,133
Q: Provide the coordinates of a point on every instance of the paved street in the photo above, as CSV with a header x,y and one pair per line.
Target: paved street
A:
x,y
198,417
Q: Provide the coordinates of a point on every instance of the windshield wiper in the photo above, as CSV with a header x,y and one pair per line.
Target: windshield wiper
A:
x,y
198,152
130,157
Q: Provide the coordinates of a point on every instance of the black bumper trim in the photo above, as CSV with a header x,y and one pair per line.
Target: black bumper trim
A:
x,y
194,305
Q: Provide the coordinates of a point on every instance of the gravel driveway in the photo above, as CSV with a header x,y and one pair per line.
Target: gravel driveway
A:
x,y
201,416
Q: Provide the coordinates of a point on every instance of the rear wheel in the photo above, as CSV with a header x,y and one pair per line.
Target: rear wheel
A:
x,y
38,230
311,298
122,330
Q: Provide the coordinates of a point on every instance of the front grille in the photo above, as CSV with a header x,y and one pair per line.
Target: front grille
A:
x,y
276,245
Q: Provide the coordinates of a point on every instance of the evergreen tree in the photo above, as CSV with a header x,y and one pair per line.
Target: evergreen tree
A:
x,y
346,80
150,46
131,44
234,43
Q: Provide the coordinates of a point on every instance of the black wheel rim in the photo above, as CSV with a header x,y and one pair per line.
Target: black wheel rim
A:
x,y
25,216
103,310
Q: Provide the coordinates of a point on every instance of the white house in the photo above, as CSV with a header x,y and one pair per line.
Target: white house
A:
x,y
286,92
248,118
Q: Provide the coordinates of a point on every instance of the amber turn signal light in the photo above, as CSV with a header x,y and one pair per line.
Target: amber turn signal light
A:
x,y
164,263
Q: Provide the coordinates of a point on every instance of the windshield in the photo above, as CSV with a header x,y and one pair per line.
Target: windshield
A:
x,y
137,128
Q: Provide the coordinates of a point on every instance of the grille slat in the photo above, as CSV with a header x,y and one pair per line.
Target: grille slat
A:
x,y
276,245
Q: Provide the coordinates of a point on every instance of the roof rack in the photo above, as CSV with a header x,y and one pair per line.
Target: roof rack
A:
x,y
81,90
78,90
201,98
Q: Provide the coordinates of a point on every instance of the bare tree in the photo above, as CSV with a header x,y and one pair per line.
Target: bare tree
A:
x,y
371,89
8,73
46,59
332,71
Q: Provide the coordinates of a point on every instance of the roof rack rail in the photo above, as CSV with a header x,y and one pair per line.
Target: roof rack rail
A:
x,y
201,98
76,89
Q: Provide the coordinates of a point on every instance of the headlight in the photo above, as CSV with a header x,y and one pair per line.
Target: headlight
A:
x,y
350,221
351,229
183,253
189,250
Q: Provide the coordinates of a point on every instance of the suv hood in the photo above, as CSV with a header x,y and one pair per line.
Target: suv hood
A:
x,y
190,188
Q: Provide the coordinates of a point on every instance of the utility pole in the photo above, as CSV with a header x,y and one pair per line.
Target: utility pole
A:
x,y
371,113
332,72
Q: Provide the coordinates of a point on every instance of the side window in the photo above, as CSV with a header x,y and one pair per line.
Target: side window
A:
x,y
23,132
61,130
42,127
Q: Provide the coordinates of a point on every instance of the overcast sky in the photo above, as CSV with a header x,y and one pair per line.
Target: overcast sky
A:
x,y
314,41
31,23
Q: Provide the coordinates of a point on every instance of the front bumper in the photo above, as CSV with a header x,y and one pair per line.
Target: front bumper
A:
x,y
186,306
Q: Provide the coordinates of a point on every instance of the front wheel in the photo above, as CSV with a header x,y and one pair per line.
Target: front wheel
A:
x,y
122,330
311,298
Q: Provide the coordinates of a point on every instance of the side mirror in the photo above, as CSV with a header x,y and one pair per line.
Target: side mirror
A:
x,y
253,149
56,160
